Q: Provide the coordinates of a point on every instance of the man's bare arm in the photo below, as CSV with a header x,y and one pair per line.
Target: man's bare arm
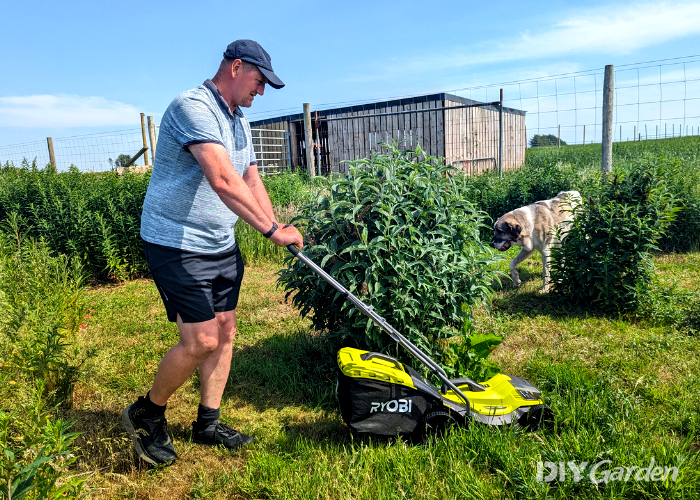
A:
x,y
252,179
236,194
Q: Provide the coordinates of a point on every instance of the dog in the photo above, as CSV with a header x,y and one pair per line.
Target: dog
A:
x,y
534,227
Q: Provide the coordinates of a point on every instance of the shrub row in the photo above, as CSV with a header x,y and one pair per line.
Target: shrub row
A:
x,y
93,216
97,217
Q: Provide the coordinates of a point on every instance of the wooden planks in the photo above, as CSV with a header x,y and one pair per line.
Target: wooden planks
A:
x,y
459,135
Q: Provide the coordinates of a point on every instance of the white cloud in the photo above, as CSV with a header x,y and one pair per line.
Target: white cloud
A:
x,y
64,111
610,30
613,30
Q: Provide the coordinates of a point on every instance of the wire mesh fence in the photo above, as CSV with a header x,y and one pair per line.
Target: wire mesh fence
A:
x,y
652,100
108,151
658,99
93,152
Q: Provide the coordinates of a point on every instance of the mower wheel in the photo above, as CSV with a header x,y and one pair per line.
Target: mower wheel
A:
x,y
437,422
539,417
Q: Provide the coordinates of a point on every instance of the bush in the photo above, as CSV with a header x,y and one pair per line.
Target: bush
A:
x,y
97,217
288,188
683,181
606,258
399,232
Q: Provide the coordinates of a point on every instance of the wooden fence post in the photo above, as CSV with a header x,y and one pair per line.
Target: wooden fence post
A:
x,y
608,93
318,145
152,137
52,156
143,133
500,137
308,133
558,136
584,134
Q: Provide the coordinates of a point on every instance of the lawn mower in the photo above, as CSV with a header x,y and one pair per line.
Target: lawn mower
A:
x,y
380,395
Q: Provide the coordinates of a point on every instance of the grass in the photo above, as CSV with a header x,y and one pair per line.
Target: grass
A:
x,y
622,389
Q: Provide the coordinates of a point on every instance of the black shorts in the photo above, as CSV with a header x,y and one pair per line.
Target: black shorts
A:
x,y
195,285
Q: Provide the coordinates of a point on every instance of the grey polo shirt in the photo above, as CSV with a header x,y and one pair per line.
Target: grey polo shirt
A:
x,y
181,210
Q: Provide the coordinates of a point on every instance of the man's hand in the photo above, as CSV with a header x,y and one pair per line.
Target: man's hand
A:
x,y
287,235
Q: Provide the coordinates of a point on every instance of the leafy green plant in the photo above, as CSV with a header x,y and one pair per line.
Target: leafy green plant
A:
x,y
97,216
683,233
43,296
399,232
37,451
40,362
605,259
469,358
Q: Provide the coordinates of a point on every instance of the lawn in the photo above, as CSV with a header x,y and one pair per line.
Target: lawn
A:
x,y
623,390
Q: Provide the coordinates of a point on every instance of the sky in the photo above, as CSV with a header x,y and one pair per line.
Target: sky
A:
x,y
71,68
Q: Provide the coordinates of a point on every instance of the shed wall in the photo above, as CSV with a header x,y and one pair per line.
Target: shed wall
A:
x,y
471,138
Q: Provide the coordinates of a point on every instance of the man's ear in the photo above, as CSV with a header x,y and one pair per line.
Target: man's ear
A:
x,y
236,67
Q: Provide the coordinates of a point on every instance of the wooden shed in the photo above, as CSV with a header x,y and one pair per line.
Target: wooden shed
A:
x,y
463,131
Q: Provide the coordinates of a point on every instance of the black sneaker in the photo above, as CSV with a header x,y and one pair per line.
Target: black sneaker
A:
x,y
218,433
150,435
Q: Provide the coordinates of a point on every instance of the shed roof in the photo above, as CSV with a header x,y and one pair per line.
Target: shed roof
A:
x,y
375,106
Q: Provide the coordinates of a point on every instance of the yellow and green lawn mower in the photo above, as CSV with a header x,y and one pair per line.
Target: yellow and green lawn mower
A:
x,y
379,395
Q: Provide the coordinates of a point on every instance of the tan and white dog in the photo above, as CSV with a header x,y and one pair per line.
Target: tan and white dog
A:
x,y
534,227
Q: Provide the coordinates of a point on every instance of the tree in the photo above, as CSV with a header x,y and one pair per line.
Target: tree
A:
x,y
121,160
545,140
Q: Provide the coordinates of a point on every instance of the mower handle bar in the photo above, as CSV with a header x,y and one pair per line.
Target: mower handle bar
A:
x,y
382,323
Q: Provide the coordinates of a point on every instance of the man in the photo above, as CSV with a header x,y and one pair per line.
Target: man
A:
x,y
204,178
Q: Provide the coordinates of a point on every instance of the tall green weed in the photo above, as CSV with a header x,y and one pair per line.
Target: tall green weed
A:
x,y
96,217
42,310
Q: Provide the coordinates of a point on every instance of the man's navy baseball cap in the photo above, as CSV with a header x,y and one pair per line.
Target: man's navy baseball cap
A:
x,y
252,52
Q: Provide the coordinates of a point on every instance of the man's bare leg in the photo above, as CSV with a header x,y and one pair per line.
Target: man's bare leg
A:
x,y
213,372
198,341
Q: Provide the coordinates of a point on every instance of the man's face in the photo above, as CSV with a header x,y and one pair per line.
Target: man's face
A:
x,y
248,84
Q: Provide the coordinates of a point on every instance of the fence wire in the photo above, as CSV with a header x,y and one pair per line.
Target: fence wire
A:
x,y
93,152
652,100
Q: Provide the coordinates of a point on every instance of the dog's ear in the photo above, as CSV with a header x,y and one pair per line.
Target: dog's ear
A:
x,y
515,230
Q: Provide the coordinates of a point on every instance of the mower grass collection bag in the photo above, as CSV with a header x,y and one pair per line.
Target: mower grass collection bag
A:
x,y
379,395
